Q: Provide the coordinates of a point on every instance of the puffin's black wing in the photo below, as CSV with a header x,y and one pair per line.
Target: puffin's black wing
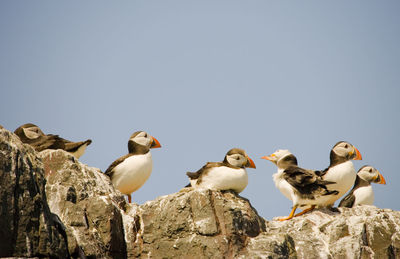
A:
x,y
74,146
306,181
203,170
194,175
321,173
48,142
110,169
348,201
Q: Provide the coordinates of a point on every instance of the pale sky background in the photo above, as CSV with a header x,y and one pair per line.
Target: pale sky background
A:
x,y
207,76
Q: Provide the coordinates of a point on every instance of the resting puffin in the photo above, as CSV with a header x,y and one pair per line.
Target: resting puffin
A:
x,y
31,134
230,174
362,193
303,187
128,173
341,170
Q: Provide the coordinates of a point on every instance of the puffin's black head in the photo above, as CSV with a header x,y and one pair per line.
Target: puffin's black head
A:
x,y
238,157
371,174
344,151
141,142
29,132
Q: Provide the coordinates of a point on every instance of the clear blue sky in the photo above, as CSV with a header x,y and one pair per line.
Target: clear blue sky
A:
x,y
206,76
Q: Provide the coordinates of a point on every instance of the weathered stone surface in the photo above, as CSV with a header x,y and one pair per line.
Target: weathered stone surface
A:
x,y
90,218
85,200
27,227
197,223
205,223
361,232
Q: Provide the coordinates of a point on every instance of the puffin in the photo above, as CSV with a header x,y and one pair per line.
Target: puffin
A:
x,y
362,193
304,187
31,134
129,172
230,174
341,170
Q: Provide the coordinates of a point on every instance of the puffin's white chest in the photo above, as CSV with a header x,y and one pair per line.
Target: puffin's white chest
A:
x,y
364,196
282,185
224,178
132,173
344,175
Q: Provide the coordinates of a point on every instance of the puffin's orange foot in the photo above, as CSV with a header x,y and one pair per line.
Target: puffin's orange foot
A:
x,y
290,215
305,211
287,218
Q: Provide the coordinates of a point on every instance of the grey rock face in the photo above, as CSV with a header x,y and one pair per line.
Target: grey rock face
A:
x,y
78,213
360,232
27,227
197,223
205,223
86,202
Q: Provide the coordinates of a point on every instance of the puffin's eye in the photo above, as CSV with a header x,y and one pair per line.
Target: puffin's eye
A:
x,y
346,146
370,170
237,158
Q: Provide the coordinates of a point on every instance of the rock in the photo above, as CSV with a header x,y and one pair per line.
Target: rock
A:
x,y
360,232
27,227
208,224
85,200
200,223
78,213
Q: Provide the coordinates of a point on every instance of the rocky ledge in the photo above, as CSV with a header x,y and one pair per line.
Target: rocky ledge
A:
x,y
54,206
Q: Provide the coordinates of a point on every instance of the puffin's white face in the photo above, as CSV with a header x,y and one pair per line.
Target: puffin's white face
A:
x,y
237,160
347,150
33,132
277,155
343,149
143,139
371,174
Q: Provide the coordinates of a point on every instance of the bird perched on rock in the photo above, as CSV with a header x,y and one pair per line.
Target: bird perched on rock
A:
x,y
128,173
362,193
230,174
31,134
341,170
305,188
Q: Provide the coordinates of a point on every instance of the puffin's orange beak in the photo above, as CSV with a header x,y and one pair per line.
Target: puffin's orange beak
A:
x,y
358,154
271,158
250,163
382,181
267,158
155,143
